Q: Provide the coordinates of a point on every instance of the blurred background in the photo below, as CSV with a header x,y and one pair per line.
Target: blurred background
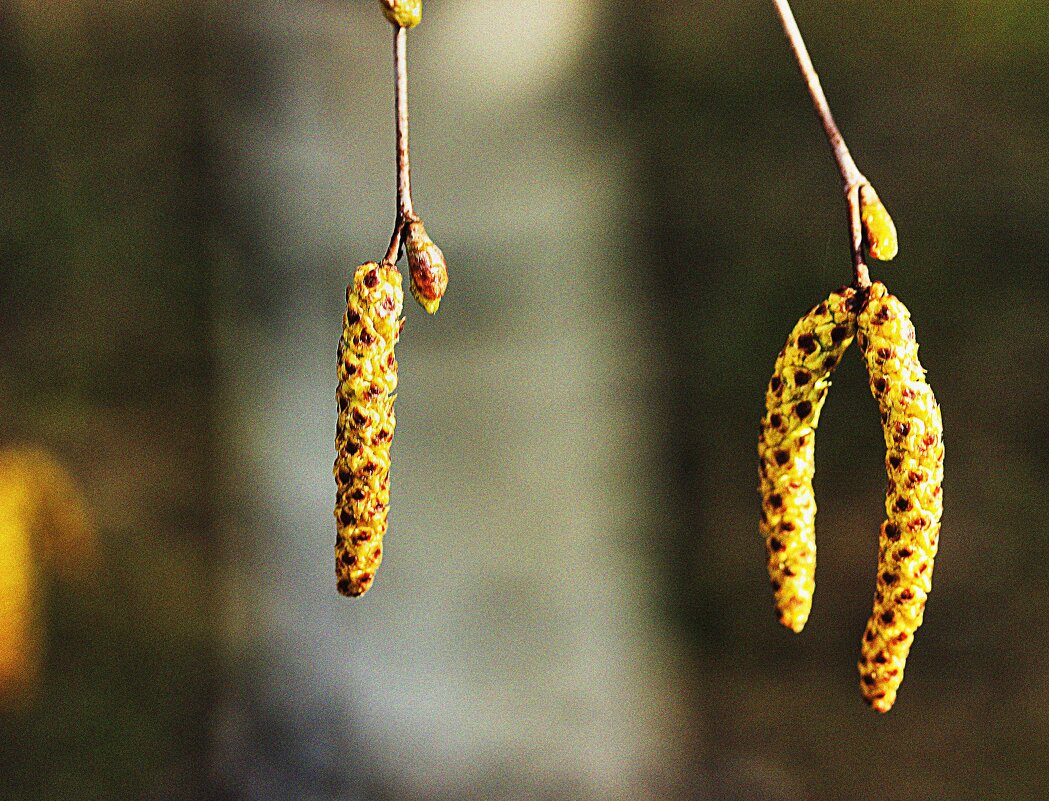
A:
x,y
637,203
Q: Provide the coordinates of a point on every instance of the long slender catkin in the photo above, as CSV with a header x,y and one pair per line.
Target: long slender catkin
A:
x,y
367,382
913,503
786,448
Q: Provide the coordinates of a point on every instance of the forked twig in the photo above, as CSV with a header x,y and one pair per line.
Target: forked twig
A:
x,y
858,191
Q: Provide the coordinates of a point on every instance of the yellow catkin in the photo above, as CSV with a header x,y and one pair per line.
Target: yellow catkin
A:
x,y
405,13
786,449
367,383
877,225
913,503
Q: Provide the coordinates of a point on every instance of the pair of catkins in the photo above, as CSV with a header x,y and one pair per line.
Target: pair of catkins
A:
x,y
367,372
913,432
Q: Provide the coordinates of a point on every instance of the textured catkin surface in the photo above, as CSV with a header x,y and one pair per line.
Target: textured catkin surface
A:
x,y
913,502
367,383
786,449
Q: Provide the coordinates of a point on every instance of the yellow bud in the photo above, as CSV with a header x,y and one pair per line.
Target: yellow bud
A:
x,y
877,225
426,266
405,13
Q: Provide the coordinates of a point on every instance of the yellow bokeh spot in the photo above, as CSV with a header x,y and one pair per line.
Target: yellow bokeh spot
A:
x,y
43,526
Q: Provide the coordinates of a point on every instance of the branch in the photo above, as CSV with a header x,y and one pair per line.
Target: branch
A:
x,y
405,210
867,214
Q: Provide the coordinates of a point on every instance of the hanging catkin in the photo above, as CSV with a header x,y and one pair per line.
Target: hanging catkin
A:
x,y
786,449
367,382
913,503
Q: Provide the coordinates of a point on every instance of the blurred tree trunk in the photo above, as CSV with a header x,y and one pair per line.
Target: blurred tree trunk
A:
x,y
106,302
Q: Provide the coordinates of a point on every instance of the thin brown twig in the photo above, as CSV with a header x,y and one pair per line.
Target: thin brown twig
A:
x,y
862,278
851,177
405,210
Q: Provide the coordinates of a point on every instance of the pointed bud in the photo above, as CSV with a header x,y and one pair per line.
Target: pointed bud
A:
x,y
877,225
404,13
427,267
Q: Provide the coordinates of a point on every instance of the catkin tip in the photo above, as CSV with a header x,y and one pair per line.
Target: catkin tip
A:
x,y
882,705
795,623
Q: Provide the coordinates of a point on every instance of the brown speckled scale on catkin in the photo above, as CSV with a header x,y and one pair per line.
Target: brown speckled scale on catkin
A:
x,y
786,450
367,372
913,503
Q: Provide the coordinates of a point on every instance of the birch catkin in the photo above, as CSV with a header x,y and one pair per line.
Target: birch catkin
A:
x,y
786,447
913,503
367,381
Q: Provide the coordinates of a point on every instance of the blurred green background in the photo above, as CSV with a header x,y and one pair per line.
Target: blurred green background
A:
x,y
636,202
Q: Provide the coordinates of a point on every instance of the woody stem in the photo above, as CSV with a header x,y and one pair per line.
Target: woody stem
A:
x,y
405,211
851,177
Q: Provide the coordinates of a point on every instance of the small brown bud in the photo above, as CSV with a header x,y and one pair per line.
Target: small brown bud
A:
x,y
426,266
